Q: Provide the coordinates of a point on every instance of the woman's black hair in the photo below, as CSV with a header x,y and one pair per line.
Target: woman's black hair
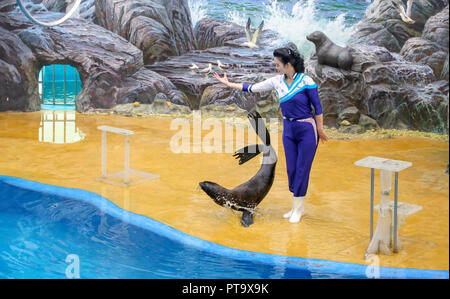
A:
x,y
289,55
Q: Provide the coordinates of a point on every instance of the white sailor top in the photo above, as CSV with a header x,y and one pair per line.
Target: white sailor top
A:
x,y
295,99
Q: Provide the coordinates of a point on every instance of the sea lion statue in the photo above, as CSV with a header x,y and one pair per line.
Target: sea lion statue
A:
x,y
329,53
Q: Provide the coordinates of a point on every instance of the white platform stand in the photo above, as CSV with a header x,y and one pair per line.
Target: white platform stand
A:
x,y
391,214
403,211
127,177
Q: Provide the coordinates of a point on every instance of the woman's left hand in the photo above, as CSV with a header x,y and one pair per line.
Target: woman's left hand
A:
x,y
323,136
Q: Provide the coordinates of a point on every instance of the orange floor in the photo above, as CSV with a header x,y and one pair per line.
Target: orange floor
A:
x,y
336,224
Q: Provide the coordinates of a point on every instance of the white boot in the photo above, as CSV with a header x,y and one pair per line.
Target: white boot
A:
x,y
289,214
294,204
298,209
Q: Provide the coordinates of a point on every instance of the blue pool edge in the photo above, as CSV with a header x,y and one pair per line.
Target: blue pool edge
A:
x,y
303,264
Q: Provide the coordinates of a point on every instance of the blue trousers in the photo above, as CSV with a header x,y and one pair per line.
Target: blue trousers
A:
x,y
300,141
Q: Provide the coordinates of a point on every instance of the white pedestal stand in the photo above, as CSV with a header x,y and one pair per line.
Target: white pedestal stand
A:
x,y
386,233
124,175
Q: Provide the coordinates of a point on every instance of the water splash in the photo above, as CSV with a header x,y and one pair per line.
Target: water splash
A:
x,y
198,10
237,17
292,21
296,24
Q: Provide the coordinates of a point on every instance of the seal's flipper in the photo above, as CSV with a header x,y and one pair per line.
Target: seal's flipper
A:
x,y
247,219
259,126
248,152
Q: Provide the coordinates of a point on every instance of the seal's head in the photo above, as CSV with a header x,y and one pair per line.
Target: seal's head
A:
x,y
215,191
317,37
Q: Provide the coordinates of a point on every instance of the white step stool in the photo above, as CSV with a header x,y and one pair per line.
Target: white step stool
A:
x,y
124,175
386,234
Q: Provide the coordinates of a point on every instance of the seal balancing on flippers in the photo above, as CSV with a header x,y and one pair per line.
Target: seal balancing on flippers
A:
x,y
246,197
329,53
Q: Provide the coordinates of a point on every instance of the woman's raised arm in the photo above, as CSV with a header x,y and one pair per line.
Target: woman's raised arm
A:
x,y
257,87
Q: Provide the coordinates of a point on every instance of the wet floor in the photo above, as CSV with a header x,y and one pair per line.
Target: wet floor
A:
x,y
336,224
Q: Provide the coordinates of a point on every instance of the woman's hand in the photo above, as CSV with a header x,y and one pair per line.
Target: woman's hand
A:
x,y
223,80
323,136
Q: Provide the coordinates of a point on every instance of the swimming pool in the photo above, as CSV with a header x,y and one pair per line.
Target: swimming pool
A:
x,y
43,227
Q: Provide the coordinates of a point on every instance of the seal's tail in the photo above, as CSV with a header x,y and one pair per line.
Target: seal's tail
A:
x,y
249,152
259,126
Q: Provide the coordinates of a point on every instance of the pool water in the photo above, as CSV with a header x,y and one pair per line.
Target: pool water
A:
x,y
39,232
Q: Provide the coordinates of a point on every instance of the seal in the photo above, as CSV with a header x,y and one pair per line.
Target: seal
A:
x,y
246,197
329,53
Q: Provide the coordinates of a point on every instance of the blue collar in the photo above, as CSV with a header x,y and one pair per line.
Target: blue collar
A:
x,y
293,79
